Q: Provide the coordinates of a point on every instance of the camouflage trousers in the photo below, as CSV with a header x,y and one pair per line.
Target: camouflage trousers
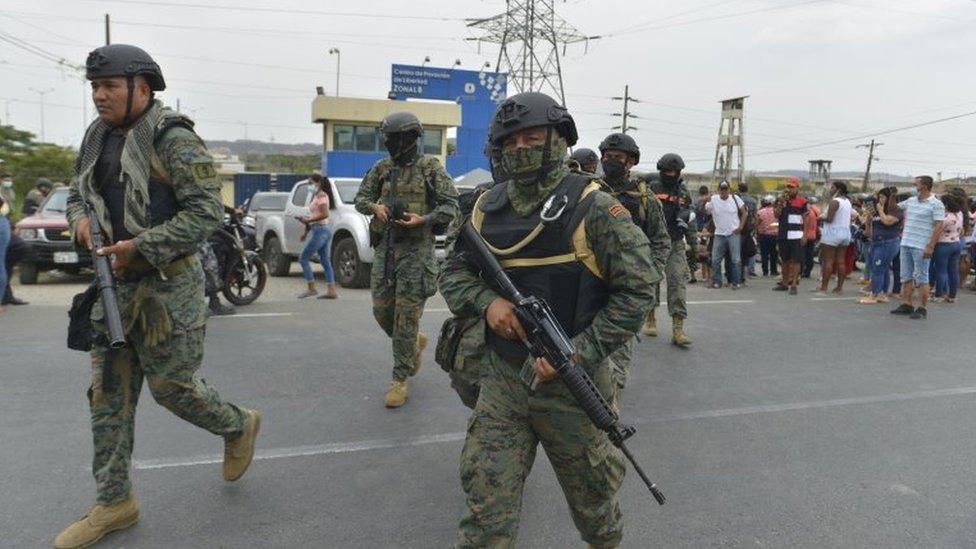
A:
x,y
504,431
399,303
620,365
170,368
676,275
691,250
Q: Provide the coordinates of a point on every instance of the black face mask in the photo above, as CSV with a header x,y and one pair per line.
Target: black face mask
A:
x,y
614,169
402,147
670,180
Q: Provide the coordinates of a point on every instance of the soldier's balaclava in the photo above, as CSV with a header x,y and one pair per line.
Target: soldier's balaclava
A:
x,y
614,170
404,147
535,171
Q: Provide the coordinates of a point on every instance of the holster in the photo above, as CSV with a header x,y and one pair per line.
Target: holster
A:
x,y
81,334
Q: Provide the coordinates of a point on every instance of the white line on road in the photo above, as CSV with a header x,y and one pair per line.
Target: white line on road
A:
x,y
721,302
437,310
379,444
254,315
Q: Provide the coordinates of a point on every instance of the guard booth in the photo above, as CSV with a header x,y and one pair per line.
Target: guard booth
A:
x,y
441,98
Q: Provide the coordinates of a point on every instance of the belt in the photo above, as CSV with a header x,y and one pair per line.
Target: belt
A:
x,y
171,270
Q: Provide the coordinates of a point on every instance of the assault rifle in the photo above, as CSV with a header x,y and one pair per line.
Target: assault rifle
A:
x,y
397,212
545,338
105,281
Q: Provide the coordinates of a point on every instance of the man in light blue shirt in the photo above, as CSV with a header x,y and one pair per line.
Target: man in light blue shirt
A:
x,y
924,215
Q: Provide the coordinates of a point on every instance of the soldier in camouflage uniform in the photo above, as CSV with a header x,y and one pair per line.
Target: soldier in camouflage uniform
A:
x,y
583,161
599,294
153,187
619,154
676,204
419,185
35,197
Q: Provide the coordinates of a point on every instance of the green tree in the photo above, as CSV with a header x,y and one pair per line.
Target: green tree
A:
x,y
26,160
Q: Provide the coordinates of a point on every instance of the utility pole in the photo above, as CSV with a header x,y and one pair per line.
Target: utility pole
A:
x,y
41,93
338,55
108,32
177,104
867,173
627,99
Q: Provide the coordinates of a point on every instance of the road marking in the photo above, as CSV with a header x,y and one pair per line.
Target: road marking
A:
x,y
254,315
437,310
423,440
720,302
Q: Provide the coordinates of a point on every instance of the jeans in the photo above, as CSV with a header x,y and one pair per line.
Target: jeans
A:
x,y
914,265
319,242
767,253
946,261
880,256
896,273
4,243
720,244
808,258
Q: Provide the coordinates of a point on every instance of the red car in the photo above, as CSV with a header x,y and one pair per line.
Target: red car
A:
x,y
50,241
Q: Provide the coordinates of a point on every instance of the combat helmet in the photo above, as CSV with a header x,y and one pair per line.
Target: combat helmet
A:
x,y
401,122
124,60
670,162
585,157
530,110
621,142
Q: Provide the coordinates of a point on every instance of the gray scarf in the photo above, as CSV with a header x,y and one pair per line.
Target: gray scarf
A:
x,y
135,165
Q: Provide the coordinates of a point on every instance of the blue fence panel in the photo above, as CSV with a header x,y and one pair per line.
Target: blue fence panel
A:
x,y
287,180
246,184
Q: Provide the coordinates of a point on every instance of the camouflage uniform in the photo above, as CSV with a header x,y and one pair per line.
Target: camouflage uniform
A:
x,y
164,314
645,211
211,268
509,421
676,272
398,303
32,201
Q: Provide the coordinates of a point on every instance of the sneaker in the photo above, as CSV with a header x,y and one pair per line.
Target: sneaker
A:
x,y
903,309
735,286
793,290
919,314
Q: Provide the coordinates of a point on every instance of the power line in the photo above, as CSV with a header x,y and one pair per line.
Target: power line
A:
x,y
278,10
706,19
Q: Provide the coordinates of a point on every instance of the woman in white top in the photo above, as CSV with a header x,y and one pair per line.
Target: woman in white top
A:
x,y
835,237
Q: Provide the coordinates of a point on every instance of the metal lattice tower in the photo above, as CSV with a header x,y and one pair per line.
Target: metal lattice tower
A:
x,y
820,172
730,148
530,36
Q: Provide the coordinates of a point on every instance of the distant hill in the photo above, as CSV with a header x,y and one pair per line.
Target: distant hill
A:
x,y
803,174
240,147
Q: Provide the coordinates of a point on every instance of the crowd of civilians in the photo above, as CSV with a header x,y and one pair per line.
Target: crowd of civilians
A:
x,y
914,246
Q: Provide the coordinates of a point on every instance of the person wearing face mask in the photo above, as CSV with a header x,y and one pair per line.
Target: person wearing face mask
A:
x,y
419,186
7,192
676,204
583,161
153,188
620,154
563,240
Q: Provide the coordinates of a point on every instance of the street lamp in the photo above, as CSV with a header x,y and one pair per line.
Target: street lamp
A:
x,y
338,61
41,94
426,60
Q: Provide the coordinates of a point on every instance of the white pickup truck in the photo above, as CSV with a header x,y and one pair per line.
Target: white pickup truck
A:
x,y
279,232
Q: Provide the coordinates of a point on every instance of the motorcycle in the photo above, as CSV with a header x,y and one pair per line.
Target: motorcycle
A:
x,y
241,268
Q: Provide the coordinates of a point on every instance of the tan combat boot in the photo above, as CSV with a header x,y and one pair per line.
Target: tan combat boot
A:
x,y
678,335
650,325
239,452
418,348
396,396
98,521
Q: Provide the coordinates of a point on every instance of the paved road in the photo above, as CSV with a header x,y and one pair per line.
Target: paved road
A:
x,y
790,423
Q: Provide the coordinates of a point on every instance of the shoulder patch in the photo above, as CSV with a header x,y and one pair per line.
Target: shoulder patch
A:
x,y
204,170
618,209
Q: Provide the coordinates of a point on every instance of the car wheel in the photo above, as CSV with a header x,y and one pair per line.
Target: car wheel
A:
x,y
350,272
274,258
28,273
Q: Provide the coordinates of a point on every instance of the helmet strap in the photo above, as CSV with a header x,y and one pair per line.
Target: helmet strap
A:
x,y
130,87
543,170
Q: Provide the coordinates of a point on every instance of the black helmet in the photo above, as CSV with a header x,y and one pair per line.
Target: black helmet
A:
x,y
585,157
529,110
43,182
400,122
621,142
670,163
124,60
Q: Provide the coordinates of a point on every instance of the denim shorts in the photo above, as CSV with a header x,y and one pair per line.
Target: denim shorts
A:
x,y
914,265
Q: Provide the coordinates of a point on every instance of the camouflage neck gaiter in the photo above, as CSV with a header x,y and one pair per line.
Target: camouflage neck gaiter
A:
x,y
528,190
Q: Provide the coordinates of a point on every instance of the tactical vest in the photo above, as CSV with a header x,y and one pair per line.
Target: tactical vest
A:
x,y
671,207
413,195
546,255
